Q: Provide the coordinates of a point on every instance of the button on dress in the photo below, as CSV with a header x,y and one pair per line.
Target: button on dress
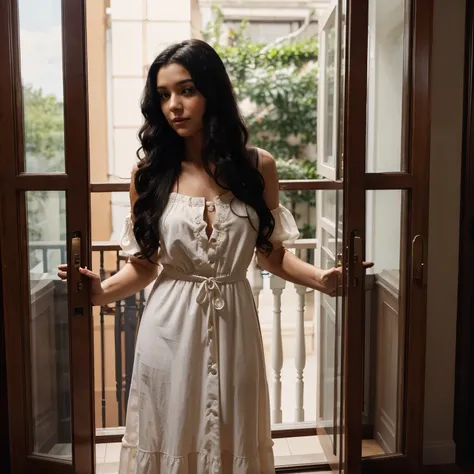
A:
x,y
198,400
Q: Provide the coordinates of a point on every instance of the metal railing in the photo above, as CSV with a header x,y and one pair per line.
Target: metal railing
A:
x,y
127,315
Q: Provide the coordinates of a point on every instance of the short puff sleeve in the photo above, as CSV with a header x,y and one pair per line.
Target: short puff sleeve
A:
x,y
285,229
127,238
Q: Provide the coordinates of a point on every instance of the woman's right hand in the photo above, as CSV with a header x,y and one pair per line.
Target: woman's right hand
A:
x,y
96,287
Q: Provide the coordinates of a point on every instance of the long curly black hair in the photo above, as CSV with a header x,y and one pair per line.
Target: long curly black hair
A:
x,y
224,145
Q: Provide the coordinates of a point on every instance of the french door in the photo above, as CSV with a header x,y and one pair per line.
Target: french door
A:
x,y
45,210
340,233
373,146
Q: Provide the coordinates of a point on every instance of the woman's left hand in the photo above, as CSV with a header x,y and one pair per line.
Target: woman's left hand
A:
x,y
332,279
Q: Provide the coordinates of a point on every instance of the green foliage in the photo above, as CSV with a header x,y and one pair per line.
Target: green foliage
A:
x,y
44,131
44,152
276,87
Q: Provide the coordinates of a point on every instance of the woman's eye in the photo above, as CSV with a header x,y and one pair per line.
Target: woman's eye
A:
x,y
188,91
163,96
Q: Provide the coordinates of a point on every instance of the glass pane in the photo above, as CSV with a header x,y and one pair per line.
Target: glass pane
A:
x,y
385,86
384,323
330,92
329,330
329,205
42,82
49,324
328,242
327,340
342,88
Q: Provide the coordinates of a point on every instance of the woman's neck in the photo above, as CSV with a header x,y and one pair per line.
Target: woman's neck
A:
x,y
193,149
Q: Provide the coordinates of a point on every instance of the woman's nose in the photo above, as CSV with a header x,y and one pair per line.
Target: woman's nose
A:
x,y
175,103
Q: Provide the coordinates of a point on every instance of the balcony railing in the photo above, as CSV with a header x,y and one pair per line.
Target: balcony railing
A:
x,y
127,315
115,355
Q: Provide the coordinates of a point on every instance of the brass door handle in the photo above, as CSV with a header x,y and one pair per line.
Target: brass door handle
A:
x,y
355,260
418,264
340,280
76,260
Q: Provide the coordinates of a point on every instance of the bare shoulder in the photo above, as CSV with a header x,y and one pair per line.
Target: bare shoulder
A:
x,y
265,160
268,169
267,166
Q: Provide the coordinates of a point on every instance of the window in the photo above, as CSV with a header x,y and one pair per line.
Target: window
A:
x,y
267,31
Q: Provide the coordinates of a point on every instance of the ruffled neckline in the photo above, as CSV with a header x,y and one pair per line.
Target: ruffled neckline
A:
x,y
200,201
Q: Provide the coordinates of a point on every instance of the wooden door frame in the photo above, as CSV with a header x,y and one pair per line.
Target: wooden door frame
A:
x,y
4,437
347,422
14,183
464,389
416,147
354,230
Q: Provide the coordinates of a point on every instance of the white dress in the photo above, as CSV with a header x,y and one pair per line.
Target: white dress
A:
x,y
199,400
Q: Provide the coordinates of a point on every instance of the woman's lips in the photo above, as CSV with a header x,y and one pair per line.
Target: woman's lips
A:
x,y
179,121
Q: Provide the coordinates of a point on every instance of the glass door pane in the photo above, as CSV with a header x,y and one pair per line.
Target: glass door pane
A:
x,y
328,89
385,322
330,322
386,87
41,69
49,325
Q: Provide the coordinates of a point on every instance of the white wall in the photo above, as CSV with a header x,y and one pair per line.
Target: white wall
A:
x,y
140,30
445,173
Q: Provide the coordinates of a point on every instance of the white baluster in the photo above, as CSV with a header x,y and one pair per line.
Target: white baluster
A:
x,y
300,354
254,275
277,286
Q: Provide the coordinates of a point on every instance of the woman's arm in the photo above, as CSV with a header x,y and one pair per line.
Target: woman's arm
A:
x,y
136,274
280,261
133,277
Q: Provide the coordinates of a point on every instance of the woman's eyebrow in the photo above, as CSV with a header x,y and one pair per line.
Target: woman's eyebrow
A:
x,y
180,83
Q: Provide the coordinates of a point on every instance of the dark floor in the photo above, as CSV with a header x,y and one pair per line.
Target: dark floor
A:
x,y
429,470
448,470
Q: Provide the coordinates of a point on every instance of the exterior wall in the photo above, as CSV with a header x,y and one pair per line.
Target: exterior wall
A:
x,y
267,12
139,32
98,135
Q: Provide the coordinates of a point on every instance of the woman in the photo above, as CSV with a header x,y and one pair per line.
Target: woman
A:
x,y
202,204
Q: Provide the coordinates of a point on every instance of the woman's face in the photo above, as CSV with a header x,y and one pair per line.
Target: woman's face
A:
x,y
181,103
